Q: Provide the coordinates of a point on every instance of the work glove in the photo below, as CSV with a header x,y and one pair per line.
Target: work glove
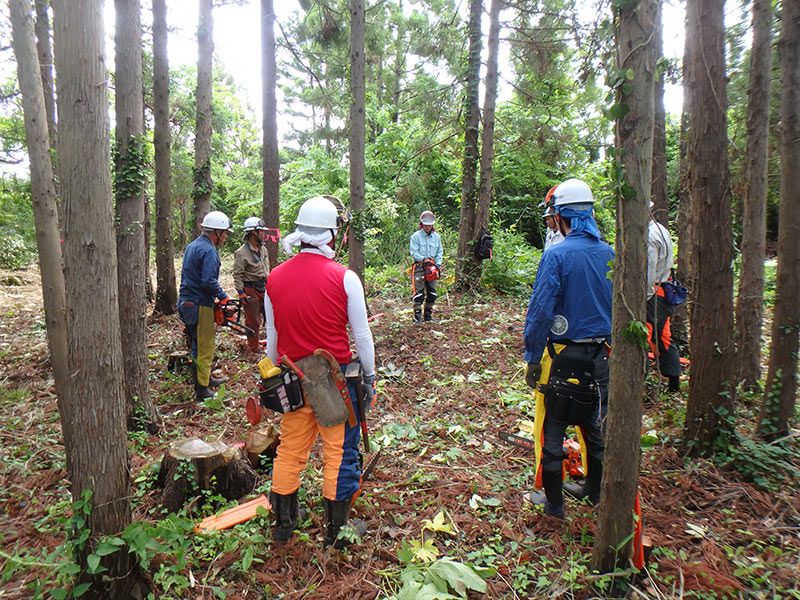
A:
x,y
224,301
532,374
369,391
243,298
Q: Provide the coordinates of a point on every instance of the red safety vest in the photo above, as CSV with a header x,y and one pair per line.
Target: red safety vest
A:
x,y
310,306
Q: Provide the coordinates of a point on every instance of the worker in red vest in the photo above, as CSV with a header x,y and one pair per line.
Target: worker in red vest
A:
x,y
309,303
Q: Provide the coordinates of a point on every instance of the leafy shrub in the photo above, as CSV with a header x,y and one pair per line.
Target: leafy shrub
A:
x,y
17,232
14,252
512,269
769,466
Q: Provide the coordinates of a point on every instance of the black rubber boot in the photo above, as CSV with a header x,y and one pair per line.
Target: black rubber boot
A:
x,y
674,383
554,499
429,316
336,515
286,510
417,316
216,382
594,480
202,393
591,486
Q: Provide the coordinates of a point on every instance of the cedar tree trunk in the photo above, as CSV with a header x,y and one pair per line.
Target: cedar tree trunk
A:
x,y
357,136
43,194
96,447
627,362
270,159
750,301
780,394
709,413
487,135
166,290
469,166
130,167
202,138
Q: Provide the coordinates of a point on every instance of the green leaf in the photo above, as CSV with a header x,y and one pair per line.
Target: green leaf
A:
x,y
58,593
105,548
438,524
459,576
80,589
637,333
404,554
247,559
93,561
617,111
424,551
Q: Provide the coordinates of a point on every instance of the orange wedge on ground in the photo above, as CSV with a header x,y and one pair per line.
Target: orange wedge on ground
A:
x,y
233,516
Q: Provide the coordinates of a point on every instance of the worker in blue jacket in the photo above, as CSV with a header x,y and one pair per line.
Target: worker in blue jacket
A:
x,y
567,335
199,289
425,247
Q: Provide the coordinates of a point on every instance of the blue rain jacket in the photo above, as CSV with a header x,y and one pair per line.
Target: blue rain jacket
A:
x,y
571,294
200,274
423,245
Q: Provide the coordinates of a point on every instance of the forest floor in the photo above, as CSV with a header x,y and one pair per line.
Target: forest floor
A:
x,y
445,484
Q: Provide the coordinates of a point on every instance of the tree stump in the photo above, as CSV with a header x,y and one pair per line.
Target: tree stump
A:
x,y
261,442
191,465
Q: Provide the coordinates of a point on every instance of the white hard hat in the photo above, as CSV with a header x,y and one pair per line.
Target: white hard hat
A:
x,y
317,212
253,223
427,218
216,220
572,191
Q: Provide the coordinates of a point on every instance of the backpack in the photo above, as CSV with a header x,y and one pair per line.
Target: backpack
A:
x,y
484,244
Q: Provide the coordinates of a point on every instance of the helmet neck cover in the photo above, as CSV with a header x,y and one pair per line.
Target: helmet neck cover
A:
x,y
581,221
313,236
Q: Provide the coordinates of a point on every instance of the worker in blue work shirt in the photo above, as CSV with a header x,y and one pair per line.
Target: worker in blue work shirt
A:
x,y
199,290
567,335
425,247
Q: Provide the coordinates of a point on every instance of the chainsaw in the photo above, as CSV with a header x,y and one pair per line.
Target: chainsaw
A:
x,y
228,315
572,451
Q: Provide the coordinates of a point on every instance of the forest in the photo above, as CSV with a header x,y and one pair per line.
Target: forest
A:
x,y
112,153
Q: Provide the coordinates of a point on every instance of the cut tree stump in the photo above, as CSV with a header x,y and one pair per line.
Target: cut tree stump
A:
x,y
261,442
191,465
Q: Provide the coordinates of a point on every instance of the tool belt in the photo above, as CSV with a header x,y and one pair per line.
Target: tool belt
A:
x,y
281,392
321,391
259,286
571,394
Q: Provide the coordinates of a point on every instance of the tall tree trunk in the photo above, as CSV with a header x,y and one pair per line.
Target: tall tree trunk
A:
x,y
627,363
202,138
44,50
96,448
45,53
130,178
166,290
750,301
487,134
658,188
680,318
269,105
399,63
43,194
712,386
781,389
469,167
357,135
